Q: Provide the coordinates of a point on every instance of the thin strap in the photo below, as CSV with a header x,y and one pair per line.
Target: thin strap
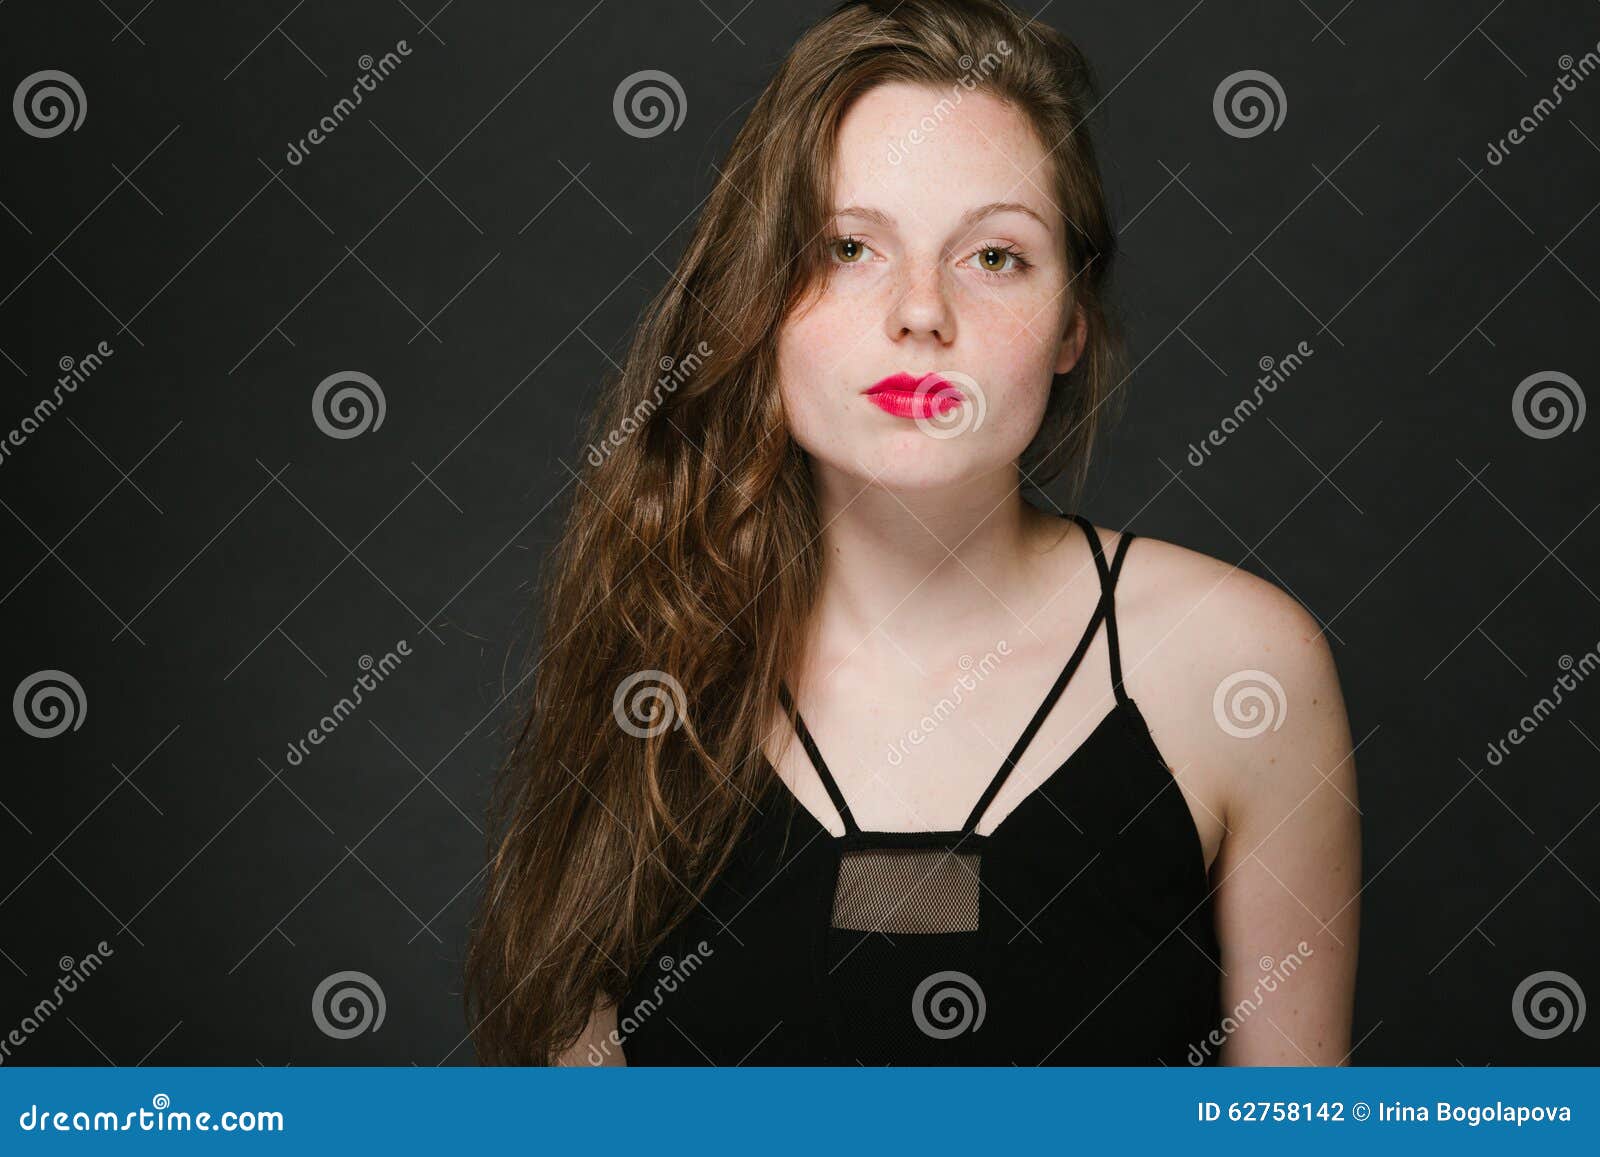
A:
x,y
1103,610
1108,587
1111,616
817,761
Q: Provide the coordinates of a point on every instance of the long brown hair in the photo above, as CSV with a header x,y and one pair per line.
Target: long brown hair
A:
x,y
677,596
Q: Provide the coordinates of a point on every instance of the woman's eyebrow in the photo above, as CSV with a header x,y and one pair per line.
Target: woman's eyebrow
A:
x,y
970,217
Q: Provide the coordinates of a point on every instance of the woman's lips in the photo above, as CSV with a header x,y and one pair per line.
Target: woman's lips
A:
x,y
913,396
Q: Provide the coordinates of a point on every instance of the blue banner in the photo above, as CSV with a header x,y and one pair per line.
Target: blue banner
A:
x,y
776,1110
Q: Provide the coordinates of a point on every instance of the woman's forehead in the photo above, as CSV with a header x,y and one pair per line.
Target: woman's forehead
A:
x,y
920,155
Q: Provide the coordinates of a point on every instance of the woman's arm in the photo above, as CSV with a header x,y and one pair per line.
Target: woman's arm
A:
x,y
1288,875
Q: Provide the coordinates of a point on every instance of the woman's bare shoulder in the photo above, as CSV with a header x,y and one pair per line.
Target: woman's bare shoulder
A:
x,y
1216,654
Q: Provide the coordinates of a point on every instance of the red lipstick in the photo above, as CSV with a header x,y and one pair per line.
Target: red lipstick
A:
x,y
913,396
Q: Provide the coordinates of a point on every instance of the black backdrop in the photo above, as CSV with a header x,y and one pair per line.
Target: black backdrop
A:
x,y
186,542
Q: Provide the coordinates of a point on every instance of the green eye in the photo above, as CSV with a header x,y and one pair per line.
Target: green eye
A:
x,y
848,250
994,259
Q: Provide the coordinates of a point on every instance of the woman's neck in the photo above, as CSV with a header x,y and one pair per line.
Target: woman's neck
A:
x,y
926,572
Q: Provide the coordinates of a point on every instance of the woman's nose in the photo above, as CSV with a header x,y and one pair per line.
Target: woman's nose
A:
x,y
922,307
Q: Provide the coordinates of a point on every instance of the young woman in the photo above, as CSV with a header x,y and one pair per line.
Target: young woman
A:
x,y
1061,796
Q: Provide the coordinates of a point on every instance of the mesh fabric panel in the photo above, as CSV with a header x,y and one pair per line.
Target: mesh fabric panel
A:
x,y
915,890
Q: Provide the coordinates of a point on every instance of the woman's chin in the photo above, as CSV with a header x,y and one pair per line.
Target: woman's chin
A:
x,y
916,463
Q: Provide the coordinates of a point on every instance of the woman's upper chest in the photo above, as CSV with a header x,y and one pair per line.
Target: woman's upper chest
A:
x,y
917,753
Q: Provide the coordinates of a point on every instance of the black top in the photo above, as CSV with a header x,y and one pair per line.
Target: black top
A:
x,y
1078,932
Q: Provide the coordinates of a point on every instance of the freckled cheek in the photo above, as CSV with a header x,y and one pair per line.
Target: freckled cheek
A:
x,y
1005,342
819,356
1011,352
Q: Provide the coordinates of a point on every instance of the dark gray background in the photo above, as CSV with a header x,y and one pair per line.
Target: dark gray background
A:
x,y
480,237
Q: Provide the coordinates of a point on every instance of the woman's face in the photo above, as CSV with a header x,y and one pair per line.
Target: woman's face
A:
x,y
946,255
